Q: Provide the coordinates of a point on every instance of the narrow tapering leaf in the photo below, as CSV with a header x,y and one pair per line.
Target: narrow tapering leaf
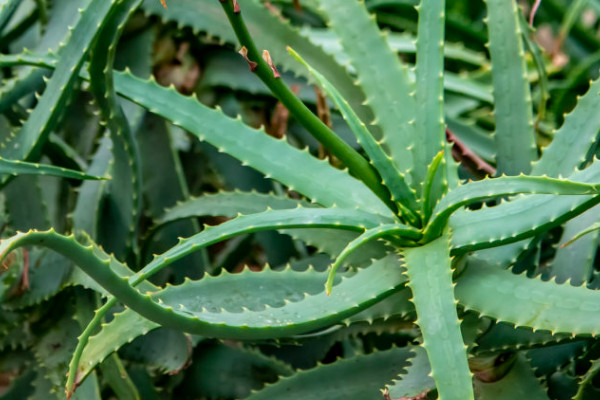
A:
x,y
429,272
514,135
393,179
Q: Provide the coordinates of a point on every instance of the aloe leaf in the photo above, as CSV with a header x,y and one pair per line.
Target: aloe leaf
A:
x,y
392,178
429,272
86,214
513,109
428,186
540,66
429,74
230,292
114,373
578,134
264,68
519,382
399,42
503,186
270,32
176,308
164,190
590,229
518,219
65,14
16,167
212,126
123,329
386,82
124,191
45,116
343,219
292,167
228,204
210,376
359,377
574,258
528,302
371,234
417,379
7,10
503,336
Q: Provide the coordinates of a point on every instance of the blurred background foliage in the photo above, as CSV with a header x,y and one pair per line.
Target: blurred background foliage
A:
x,y
42,311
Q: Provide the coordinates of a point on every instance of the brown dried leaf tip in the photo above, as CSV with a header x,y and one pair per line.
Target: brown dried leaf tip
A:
x,y
244,53
267,57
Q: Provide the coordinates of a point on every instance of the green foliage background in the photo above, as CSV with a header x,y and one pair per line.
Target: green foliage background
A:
x,y
450,162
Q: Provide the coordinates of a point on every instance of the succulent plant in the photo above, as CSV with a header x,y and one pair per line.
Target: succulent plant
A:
x,y
437,234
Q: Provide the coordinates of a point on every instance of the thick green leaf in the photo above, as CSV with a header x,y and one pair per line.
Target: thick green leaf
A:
x,y
292,167
429,273
270,32
429,74
383,78
228,204
123,209
577,134
44,117
514,135
518,219
356,378
171,309
393,179
508,185
231,136
528,302
416,380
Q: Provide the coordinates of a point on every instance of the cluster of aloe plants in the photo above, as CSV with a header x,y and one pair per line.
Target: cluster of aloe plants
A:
x,y
401,233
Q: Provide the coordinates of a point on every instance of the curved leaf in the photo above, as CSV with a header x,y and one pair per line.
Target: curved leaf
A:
x,y
16,167
528,302
503,186
356,378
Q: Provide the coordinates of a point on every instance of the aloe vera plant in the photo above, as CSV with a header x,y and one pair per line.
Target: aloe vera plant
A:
x,y
409,241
